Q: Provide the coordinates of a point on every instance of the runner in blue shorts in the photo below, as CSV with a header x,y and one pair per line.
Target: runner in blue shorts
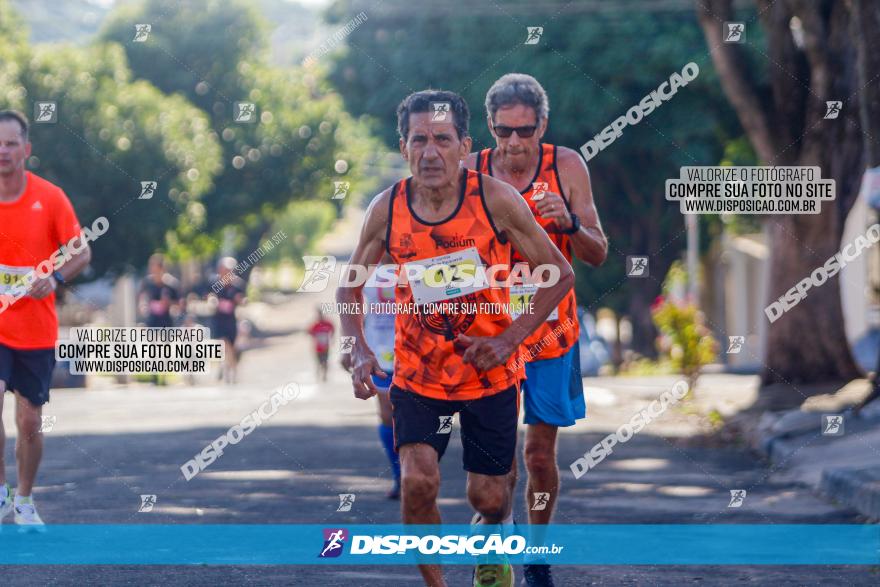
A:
x,y
556,184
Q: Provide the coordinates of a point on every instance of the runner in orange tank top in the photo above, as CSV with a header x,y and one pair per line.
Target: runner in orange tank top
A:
x,y
556,185
458,353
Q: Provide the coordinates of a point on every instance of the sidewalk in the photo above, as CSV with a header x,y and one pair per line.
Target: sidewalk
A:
x,y
842,462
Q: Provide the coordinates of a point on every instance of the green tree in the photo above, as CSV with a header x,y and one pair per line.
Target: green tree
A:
x,y
595,63
213,53
112,134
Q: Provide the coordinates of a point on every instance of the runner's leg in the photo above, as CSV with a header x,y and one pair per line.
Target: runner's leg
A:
x,y
29,445
2,435
420,468
386,436
489,495
540,458
231,361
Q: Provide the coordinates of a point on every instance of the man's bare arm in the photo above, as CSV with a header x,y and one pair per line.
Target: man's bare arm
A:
x,y
589,243
369,250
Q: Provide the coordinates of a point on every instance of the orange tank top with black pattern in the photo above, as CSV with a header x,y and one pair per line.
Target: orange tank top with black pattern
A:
x,y
560,332
427,360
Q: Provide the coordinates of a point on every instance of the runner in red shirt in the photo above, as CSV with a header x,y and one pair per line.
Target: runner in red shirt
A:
x,y
322,332
36,221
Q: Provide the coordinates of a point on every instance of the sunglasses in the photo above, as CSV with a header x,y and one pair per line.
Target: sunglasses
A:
x,y
522,132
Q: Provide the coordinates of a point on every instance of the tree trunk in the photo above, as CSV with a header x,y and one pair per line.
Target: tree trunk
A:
x,y
643,332
785,124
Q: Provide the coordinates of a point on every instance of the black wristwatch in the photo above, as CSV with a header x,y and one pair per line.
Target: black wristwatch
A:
x,y
58,277
575,224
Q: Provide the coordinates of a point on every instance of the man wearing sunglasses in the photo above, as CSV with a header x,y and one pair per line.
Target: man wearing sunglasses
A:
x,y
556,184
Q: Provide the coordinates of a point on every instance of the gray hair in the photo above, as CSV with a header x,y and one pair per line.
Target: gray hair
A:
x,y
517,88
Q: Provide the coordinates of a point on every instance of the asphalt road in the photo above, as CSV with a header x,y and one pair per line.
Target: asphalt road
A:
x,y
110,444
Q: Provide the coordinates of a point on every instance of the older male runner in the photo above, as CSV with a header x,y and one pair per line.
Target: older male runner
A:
x,y
36,220
445,219
556,185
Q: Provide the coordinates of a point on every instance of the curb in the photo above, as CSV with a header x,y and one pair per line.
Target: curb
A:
x,y
858,488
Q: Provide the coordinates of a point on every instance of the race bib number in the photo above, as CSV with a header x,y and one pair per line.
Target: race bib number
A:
x,y
521,296
446,277
12,279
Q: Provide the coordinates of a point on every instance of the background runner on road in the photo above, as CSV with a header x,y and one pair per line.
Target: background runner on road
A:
x,y
224,324
321,332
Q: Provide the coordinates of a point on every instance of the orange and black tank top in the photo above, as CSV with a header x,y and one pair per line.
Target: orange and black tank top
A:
x,y
560,332
427,360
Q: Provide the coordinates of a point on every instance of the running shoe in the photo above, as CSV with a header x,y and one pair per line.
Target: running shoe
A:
x,y
537,576
6,503
26,514
494,575
491,575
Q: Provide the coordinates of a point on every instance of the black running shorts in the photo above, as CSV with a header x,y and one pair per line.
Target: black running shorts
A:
x,y
488,427
29,372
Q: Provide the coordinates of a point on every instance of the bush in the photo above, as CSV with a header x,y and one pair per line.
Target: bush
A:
x,y
684,337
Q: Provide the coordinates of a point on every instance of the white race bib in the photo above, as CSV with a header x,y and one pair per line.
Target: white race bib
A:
x,y
444,277
521,296
12,278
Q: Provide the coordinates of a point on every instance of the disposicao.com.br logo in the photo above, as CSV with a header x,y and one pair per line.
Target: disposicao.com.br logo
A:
x,y
430,544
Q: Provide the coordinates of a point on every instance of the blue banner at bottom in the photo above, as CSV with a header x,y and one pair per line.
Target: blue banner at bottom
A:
x,y
395,544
